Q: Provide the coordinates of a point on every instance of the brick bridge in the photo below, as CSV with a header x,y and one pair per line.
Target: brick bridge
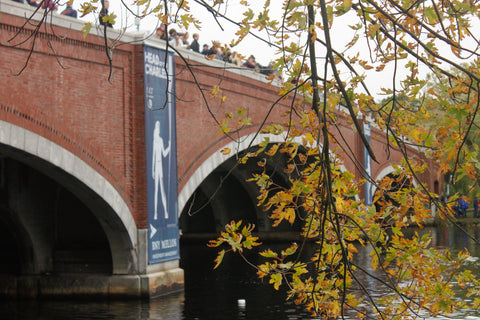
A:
x,y
73,160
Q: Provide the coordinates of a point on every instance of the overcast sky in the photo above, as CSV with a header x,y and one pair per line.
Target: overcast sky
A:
x,y
264,53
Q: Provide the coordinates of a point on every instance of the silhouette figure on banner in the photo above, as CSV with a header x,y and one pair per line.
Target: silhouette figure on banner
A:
x,y
159,152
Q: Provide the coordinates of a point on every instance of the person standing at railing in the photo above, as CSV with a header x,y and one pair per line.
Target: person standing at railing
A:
x,y
104,13
195,46
463,206
69,11
161,32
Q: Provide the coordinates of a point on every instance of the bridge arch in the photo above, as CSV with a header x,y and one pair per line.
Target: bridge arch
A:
x,y
213,170
388,170
216,159
384,172
236,198
82,181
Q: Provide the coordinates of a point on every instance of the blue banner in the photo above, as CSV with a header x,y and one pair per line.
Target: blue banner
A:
x,y
163,231
368,166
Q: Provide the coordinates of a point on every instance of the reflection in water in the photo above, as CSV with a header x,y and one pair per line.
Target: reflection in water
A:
x,y
169,307
215,294
232,292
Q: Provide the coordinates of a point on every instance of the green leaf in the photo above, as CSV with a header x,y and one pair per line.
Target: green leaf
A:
x,y
219,258
86,29
249,15
251,242
109,18
276,280
269,254
431,15
290,250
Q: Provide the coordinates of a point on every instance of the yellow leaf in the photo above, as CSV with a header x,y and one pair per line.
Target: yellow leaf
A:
x,y
289,168
365,65
308,138
290,215
86,29
272,151
215,90
415,133
470,171
225,151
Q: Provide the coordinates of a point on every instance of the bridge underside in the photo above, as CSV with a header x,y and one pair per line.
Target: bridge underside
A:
x,y
59,238
37,212
226,195
45,230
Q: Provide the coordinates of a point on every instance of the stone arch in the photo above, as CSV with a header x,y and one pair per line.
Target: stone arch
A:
x,y
385,172
203,181
202,187
216,159
89,186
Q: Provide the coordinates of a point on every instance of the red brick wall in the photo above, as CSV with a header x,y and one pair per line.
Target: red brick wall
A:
x,y
197,131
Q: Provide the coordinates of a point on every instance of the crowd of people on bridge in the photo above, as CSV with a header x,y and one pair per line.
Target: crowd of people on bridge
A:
x,y
174,38
51,5
215,51
68,11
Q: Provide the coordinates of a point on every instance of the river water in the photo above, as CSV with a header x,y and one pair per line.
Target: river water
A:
x,y
232,292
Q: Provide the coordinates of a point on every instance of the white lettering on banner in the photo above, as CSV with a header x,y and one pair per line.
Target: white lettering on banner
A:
x,y
154,66
164,244
156,71
156,245
169,243
164,254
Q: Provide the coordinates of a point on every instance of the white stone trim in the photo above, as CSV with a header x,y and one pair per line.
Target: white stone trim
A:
x,y
383,173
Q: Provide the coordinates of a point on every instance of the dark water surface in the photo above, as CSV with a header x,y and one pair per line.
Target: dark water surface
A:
x,y
231,292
